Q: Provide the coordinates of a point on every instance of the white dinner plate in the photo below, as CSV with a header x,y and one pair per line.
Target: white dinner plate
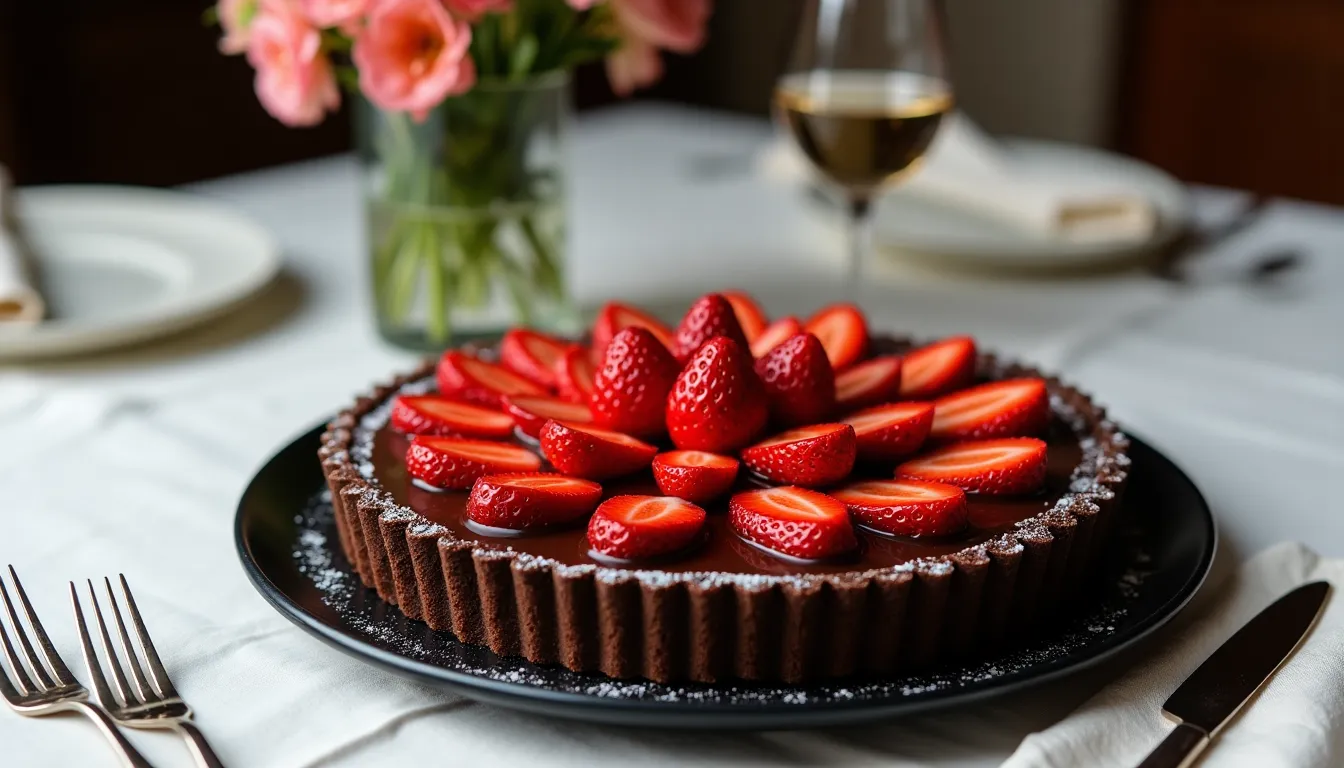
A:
x,y
911,226
125,264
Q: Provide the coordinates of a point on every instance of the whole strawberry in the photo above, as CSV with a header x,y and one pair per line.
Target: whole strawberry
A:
x,y
711,315
798,381
718,403
630,388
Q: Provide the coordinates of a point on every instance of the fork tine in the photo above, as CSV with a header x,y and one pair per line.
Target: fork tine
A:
x,y
7,689
147,693
44,680
20,676
156,667
118,676
53,658
90,658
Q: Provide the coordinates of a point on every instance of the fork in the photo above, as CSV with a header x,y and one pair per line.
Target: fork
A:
x,y
51,688
147,706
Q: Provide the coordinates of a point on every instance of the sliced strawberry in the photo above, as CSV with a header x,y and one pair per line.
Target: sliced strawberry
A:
x,y
793,521
718,403
521,500
638,527
813,456
631,385
843,331
435,415
1007,408
906,507
893,431
711,315
456,462
774,335
530,413
574,375
940,367
596,454
531,354
614,316
1009,465
871,382
466,378
749,314
697,476
799,382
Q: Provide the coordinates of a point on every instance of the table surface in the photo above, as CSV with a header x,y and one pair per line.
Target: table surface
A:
x,y
115,461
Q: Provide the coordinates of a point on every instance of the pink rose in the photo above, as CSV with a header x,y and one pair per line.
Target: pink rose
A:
x,y
334,13
636,64
235,17
474,9
295,82
411,55
677,25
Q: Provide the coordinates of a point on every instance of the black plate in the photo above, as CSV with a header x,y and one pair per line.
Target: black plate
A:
x,y
286,540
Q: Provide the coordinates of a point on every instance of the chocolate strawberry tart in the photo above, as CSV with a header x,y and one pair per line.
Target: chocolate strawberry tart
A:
x,y
730,499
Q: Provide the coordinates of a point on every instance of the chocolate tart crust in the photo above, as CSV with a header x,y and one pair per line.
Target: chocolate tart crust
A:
x,y
712,626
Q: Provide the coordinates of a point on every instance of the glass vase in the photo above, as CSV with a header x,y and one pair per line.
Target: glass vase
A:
x,y
466,214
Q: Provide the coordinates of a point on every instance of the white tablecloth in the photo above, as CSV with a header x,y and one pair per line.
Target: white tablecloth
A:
x,y
112,464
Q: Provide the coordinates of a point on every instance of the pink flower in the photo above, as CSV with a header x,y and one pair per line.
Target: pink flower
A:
x,y
582,5
334,13
295,82
411,55
636,64
235,17
647,25
472,10
677,25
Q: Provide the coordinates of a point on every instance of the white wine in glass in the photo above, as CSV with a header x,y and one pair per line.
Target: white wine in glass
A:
x,y
864,98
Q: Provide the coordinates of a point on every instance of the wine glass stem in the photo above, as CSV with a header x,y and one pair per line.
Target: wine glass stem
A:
x,y
860,243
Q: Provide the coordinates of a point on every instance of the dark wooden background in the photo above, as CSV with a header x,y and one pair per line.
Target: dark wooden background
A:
x,y
1243,93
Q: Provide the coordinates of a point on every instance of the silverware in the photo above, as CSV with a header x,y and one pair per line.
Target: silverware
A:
x,y
39,690
1212,694
147,706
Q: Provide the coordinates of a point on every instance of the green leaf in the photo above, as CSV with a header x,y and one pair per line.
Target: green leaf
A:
x,y
336,42
348,77
588,50
524,54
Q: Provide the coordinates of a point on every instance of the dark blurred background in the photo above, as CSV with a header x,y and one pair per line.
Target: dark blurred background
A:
x,y
1241,93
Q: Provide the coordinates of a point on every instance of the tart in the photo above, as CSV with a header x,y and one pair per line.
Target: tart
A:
x,y
858,507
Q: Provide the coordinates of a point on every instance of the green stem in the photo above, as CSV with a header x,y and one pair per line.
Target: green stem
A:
x,y
546,271
402,279
436,297
515,280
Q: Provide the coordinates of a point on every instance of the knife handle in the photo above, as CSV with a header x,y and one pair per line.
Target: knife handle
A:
x,y
1180,749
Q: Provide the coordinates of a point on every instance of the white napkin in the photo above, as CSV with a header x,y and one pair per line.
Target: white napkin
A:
x,y
1296,721
966,168
19,300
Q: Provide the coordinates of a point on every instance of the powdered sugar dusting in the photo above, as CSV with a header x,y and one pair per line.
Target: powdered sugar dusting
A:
x,y
314,548
382,625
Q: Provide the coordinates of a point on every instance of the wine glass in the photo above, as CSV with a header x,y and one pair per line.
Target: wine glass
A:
x,y
863,97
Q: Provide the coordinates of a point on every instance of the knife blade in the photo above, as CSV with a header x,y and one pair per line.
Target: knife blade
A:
x,y
1214,692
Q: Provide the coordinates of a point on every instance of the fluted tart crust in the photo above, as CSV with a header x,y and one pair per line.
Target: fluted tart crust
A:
x,y
709,626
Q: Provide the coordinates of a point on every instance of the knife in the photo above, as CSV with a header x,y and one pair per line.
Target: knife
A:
x,y
1212,694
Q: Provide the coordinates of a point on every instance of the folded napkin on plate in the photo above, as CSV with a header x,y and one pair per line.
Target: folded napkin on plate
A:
x,y
966,168
1297,719
19,300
